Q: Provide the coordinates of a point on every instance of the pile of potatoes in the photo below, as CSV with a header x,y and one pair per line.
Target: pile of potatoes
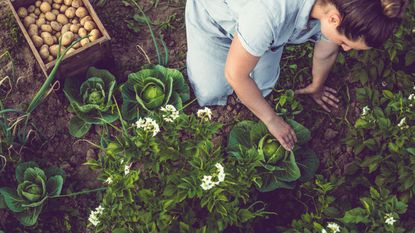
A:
x,y
48,20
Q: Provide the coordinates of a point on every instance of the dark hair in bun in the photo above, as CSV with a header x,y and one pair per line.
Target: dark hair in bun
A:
x,y
372,20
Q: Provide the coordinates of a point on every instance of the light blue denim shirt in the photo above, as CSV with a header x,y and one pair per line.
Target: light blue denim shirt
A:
x,y
263,25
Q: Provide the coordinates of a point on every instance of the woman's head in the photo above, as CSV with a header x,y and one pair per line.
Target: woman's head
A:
x,y
361,24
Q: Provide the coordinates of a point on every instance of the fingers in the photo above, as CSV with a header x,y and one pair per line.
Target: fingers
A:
x,y
289,140
323,105
331,96
329,101
330,90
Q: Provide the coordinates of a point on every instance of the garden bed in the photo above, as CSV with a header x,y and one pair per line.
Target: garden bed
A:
x,y
51,144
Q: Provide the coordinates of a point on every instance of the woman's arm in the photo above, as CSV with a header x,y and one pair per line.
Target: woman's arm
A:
x,y
239,64
325,54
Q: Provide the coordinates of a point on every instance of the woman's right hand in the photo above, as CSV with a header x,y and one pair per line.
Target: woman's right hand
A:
x,y
282,132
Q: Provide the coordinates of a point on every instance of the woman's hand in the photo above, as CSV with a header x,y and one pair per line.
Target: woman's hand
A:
x,y
322,95
282,132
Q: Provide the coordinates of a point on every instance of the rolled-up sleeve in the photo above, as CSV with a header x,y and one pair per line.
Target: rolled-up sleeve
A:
x,y
254,28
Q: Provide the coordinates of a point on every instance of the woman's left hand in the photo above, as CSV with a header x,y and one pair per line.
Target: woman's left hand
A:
x,y
322,95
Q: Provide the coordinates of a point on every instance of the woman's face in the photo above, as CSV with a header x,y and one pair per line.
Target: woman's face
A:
x,y
329,29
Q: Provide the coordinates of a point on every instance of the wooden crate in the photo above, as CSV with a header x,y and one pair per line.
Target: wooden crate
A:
x,y
78,61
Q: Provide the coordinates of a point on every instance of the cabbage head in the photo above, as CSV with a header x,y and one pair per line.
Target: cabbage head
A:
x,y
91,100
277,167
34,187
152,87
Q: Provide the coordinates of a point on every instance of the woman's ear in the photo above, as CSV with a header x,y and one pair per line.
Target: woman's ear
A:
x,y
334,19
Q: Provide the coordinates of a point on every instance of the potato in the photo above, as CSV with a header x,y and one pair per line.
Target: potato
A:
x,y
56,6
94,35
85,42
47,38
50,58
65,28
37,41
70,12
22,12
46,28
77,45
40,21
33,30
49,1
67,2
33,15
86,18
67,38
77,3
44,52
82,32
42,15
81,12
45,7
56,26
55,40
58,1
63,8
55,12
50,16
28,20
89,25
75,21
75,28
53,50
38,3
62,19
37,11
71,50
31,9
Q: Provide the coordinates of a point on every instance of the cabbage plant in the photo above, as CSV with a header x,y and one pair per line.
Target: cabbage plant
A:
x,y
152,87
91,101
277,167
34,187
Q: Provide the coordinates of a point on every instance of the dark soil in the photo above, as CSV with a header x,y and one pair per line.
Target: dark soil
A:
x,y
52,145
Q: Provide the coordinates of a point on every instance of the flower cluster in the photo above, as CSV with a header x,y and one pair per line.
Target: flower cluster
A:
x,y
94,216
149,125
207,182
389,219
109,180
127,169
204,114
402,124
171,113
365,110
333,227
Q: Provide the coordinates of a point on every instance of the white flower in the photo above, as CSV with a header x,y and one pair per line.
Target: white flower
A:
x,y
149,125
204,114
171,113
365,110
389,219
402,123
323,230
127,169
411,97
94,215
334,227
207,183
384,84
109,180
221,172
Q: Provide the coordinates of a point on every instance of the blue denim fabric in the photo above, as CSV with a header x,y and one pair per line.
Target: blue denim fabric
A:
x,y
262,26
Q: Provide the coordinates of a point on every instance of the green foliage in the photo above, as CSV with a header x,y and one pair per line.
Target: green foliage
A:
x,y
287,105
152,87
155,179
34,187
276,167
383,140
379,213
91,100
323,210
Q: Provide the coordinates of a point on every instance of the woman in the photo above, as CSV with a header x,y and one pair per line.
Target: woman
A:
x,y
236,45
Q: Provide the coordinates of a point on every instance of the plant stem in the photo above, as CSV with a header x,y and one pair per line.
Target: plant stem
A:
x,y
80,193
187,105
